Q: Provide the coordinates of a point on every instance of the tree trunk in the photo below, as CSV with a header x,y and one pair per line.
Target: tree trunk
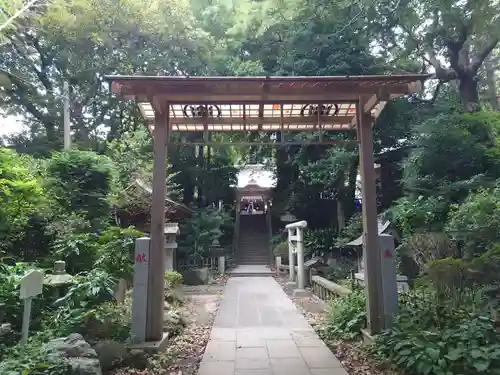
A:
x,y
468,89
491,82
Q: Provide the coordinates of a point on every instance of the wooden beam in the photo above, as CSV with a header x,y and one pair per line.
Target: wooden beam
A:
x,y
155,308
370,103
309,128
378,110
260,143
310,120
171,92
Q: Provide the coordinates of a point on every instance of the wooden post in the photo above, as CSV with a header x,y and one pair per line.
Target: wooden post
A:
x,y
154,325
373,272
31,286
66,117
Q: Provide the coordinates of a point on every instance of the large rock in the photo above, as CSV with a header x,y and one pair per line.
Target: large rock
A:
x,y
196,276
110,353
77,352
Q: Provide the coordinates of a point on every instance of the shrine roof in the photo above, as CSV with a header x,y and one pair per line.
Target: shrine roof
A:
x,y
272,103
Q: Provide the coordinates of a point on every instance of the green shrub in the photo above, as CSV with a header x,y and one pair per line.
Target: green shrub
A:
x,y
81,182
319,241
88,290
116,251
477,220
464,345
199,232
78,250
346,316
20,197
89,308
173,279
341,270
12,310
106,321
32,359
281,250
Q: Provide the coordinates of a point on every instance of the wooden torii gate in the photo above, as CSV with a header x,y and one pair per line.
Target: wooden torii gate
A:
x,y
280,105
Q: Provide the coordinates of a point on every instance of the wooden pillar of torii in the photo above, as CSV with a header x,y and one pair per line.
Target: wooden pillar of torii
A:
x,y
367,111
155,305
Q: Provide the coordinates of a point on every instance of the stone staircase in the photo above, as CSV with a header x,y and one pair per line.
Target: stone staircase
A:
x,y
253,246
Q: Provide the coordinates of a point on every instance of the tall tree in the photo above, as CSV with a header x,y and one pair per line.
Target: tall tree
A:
x,y
454,37
79,42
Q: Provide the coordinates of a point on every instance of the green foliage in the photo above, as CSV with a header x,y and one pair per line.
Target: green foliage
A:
x,y
352,230
414,32
173,279
319,241
64,45
81,182
78,250
477,220
12,309
105,321
413,215
116,251
32,359
281,249
133,157
89,308
201,230
89,289
20,196
346,316
453,154
341,270
458,344
456,280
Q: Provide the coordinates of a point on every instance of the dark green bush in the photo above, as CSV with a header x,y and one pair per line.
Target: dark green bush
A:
x,y
173,279
81,182
341,270
319,241
21,196
116,251
31,359
346,316
281,250
12,306
451,345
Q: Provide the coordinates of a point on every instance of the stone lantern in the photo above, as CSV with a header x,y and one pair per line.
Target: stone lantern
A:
x,y
59,277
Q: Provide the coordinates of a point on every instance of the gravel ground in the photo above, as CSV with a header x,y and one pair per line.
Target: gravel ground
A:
x,y
352,355
185,351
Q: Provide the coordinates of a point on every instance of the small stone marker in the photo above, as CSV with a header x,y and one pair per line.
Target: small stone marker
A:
x,y
140,289
171,231
31,286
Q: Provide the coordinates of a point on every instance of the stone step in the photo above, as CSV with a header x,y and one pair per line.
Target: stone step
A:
x,y
252,250
245,263
266,258
257,257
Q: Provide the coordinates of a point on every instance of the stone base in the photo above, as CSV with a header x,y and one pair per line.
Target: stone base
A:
x,y
368,339
301,293
151,346
290,286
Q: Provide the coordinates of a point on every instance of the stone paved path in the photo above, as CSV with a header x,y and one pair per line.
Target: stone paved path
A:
x,y
259,331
